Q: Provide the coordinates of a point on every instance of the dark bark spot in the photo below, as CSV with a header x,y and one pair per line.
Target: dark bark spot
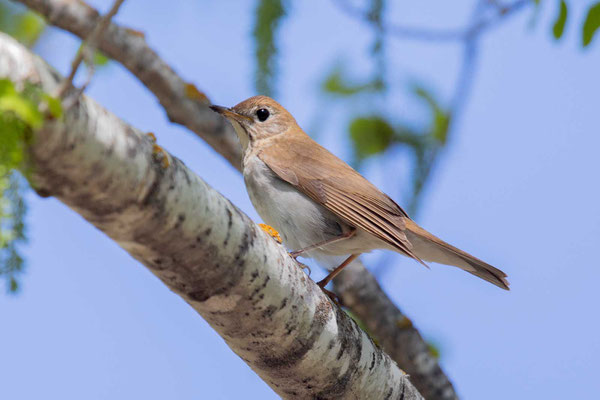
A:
x,y
42,192
264,284
186,175
180,220
301,345
391,391
269,311
229,224
199,295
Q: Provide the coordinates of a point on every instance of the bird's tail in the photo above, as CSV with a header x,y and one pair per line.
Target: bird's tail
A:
x,y
430,248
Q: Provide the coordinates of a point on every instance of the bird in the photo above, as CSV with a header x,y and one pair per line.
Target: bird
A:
x,y
322,207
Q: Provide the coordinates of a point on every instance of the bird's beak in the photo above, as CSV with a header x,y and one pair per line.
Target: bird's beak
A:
x,y
229,114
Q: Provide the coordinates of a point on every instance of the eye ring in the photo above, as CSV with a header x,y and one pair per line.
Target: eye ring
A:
x,y
262,114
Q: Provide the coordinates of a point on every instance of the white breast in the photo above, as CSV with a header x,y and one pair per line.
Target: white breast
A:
x,y
300,221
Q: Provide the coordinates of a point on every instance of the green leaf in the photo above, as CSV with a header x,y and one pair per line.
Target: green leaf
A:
x,y
434,350
17,103
370,136
100,59
440,117
20,23
561,20
591,24
441,123
28,28
54,105
336,83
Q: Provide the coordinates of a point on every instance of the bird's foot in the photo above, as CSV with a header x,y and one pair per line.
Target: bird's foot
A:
x,y
271,232
301,265
334,297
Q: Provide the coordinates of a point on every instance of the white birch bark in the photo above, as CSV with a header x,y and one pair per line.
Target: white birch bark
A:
x,y
204,249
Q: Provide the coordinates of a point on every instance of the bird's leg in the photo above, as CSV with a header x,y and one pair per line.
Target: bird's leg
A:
x,y
343,236
322,283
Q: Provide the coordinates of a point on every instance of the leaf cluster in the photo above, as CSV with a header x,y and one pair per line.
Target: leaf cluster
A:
x,y
589,27
21,112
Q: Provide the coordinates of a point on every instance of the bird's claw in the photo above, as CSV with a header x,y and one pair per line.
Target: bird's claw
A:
x,y
301,265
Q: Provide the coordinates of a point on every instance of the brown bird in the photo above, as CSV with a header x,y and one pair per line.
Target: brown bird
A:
x,y
320,205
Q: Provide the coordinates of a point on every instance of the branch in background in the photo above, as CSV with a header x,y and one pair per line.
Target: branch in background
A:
x,y
130,49
182,101
441,35
204,249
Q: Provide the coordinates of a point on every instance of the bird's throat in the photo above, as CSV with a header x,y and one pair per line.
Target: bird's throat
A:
x,y
242,134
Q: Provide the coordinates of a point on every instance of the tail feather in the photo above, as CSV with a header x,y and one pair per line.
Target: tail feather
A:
x,y
430,248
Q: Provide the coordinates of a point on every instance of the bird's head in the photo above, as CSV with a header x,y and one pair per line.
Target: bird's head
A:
x,y
257,118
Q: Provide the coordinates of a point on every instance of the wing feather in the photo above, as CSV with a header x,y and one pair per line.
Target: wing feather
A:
x,y
319,174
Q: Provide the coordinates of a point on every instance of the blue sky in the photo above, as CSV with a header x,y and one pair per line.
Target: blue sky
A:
x,y
517,186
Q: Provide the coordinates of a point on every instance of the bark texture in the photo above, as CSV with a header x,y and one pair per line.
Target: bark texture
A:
x,y
185,105
204,249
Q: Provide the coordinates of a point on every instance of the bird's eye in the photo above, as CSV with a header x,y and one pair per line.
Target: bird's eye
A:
x,y
262,114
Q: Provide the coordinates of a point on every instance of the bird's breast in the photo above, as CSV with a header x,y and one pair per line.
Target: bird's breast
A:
x,y
300,221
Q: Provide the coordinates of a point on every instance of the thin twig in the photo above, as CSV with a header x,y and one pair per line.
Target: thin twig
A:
x,y
90,44
441,35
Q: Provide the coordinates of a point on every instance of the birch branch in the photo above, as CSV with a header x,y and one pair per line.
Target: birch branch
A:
x,y
130,49
204,249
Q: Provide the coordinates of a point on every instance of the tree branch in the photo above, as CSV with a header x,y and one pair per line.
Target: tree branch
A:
x,y
130,49
204,249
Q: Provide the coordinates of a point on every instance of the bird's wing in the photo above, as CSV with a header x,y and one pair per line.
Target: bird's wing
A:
x,y
329,181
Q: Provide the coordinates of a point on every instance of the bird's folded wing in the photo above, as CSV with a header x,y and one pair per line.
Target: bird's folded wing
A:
x,y
329,181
